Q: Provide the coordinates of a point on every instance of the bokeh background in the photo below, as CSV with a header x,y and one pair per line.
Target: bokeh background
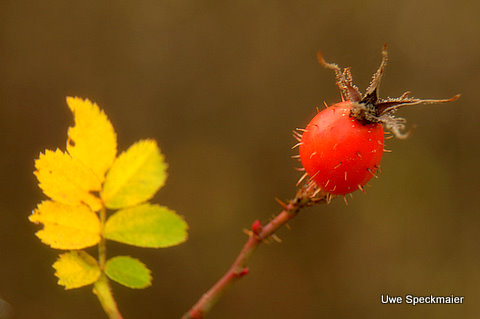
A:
x,y
220,85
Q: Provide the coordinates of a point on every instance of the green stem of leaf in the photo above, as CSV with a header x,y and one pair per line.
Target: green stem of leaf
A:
x,y
102,287
104,294
102,245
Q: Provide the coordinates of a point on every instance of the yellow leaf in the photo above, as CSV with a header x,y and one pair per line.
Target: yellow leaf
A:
x,y
76,269
66,180
66,226
92,140
136,175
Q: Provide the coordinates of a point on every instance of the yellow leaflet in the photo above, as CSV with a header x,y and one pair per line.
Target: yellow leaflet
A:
x,y
66,180
76,269
66,226
92,140
136,175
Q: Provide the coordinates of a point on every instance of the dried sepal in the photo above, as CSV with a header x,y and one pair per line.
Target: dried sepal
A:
x,y
369,107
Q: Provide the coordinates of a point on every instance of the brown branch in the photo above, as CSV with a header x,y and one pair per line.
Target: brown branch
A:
x,y
307,195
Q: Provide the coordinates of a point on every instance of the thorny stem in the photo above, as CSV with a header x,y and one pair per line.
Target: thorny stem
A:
x,y
368,107
307,195
102,288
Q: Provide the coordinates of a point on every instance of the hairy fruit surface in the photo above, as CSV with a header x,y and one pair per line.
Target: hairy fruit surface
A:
x,y
339,152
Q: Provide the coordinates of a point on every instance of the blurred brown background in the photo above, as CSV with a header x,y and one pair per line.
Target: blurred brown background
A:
x,y
220,85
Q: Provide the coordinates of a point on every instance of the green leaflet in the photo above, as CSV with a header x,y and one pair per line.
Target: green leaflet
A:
x,y
146,226
136,175
129,272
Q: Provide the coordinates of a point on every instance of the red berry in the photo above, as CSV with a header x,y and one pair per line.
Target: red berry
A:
x,y
339,152
342,146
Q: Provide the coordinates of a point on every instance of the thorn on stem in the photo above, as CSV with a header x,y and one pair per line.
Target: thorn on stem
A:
x,y
284,206
276,238
247,232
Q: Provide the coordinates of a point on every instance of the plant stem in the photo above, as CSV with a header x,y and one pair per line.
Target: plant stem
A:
x,y
102,245
102,288
307,195
104,294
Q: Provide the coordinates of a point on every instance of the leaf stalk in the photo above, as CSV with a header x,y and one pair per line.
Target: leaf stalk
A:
x,y
102,288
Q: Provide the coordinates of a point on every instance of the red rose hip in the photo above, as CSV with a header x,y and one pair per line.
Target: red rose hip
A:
x,y
339,152
342,146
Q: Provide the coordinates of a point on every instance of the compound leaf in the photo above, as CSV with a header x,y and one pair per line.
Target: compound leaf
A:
x,y
136,175
76,269
67,180
66,226
146,226
92,140
129,272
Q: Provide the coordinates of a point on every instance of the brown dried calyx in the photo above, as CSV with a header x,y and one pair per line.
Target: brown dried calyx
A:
x,y
369,107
